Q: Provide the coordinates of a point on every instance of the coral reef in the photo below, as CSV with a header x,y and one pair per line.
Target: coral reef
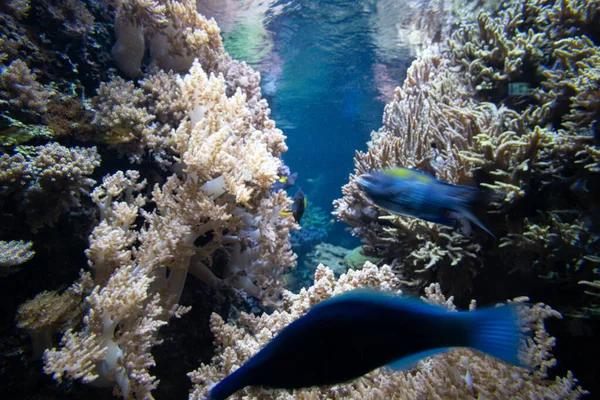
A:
x,y
315,227
46,81
220,197
199,202
425,127
456,118
456,374
189,158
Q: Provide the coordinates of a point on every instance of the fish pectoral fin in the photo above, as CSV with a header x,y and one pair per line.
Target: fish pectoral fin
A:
x,y
471,217
411,361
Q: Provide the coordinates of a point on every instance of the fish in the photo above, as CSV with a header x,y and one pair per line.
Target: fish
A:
x,y
518,89
298,206
412,193
284,182
349,335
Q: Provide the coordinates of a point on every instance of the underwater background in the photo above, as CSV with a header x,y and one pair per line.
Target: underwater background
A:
x,y
146,249
327,70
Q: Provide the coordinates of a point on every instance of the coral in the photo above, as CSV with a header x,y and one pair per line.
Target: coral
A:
x,y
495,51
14,42
218,202
430,122
72,15
53,60
50,312
46,181
327,254
19,8
553,241
355,259
201,203
14,253
456,374
315,227
553,135
20,89
138,120
240,75
115,343
455,118
548,46
213,143
14,132
177,33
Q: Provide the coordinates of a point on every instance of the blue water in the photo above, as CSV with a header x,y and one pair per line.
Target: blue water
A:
x,y
327,74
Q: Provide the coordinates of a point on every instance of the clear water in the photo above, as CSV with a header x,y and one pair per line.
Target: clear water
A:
x,y
328,68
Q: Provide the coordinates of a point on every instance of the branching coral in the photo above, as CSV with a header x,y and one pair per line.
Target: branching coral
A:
x,y
218,202
429,124
19,89
72,14
14,253
553,138
20,8
50,312
178,34
455,118
547,45
209,211
138,120
457,374
46,181
495,51
554,242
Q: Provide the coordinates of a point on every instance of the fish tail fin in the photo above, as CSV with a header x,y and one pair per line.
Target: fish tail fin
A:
x,y
497,332
235,381
470,199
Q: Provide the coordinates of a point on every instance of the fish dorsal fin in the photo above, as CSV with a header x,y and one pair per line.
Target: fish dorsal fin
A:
x,y
409,174
366,294
410,361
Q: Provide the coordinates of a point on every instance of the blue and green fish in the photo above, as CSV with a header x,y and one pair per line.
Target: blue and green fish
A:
x,y
349,335
412,193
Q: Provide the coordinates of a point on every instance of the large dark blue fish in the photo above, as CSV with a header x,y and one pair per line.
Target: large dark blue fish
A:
x,y
349,335
411,193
